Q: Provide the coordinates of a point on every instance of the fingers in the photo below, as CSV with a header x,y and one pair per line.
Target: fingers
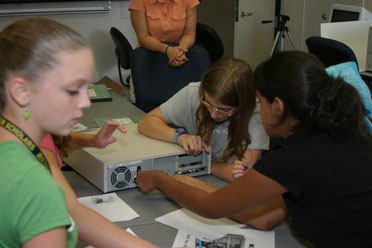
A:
x,y
239,169
122,129
184,50
237,174
111,126
177,62
144,181
177,56
192,144
206,148
104,136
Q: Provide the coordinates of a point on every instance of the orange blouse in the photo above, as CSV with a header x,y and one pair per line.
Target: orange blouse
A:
x,y
166,19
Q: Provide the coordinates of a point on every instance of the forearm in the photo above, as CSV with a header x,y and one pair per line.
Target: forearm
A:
x,y
187,41
188,37
195,182
156,128
257,188
82,139
252,155
97,231
152,44
265,216
189,196
222,170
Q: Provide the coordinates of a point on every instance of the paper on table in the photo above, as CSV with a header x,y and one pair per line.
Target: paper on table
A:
x,y
246,237
128,230
78,127
200,227
122,120
110,206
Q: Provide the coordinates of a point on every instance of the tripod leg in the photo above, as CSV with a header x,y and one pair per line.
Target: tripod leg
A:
x,y
281,41
275,43
290,39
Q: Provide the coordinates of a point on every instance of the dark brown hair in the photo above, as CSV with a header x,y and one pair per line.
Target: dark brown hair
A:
x,y
65,144
311,96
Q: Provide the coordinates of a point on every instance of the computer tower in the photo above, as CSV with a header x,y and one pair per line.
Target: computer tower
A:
x,y
115,167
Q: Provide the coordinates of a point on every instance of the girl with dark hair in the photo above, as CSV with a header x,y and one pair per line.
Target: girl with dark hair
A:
x,y
322,170
220,111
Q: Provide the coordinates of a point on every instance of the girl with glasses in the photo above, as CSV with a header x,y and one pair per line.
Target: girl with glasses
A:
x,y
220,112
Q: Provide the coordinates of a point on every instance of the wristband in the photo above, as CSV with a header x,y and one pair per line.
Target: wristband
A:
x,y
166,49
177,133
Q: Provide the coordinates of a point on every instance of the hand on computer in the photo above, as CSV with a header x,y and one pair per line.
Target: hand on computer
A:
x,y
104,136
192,144
145,180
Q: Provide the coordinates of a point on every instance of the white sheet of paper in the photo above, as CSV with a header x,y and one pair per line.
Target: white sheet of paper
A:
x,y
110,206
123,121
252,238
200,227
78,127
131,232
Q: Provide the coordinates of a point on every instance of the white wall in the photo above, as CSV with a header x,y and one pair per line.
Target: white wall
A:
x,y
94,27
307,15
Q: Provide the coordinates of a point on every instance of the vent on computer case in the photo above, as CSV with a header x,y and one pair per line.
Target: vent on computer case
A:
x,y
120,177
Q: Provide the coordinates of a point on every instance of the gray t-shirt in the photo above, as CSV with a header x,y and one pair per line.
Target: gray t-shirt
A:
x,y
180,110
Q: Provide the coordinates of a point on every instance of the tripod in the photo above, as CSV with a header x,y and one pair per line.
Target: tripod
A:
x,y
279,33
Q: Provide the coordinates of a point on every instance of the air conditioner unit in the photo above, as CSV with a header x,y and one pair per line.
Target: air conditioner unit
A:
x,y
22,7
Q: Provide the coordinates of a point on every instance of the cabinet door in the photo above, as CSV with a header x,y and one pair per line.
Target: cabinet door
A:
x,y
253,40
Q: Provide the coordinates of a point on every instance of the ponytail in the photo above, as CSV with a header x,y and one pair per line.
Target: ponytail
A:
x,y
337,109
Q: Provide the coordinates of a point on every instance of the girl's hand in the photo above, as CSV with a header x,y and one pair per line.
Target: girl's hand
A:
x,y
192,144
145,180
240,168
104,135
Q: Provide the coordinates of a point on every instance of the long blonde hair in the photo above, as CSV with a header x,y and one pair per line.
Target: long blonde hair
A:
x,y
230,81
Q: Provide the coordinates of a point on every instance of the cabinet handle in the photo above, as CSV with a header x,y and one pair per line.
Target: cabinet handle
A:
x,y
243,14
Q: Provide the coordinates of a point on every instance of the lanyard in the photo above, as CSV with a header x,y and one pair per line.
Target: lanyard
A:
x,y
25,140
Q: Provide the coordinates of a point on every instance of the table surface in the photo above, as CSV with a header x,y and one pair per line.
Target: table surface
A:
x,y
152,205
119,107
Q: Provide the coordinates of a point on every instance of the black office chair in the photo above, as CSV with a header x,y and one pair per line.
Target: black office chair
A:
x,y
329,51
122,50
208,38
155,81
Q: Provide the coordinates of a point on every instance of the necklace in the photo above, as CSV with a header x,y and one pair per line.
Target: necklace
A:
x,y
22,136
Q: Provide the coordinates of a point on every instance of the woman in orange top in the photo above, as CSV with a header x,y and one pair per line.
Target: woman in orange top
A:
x,y
159,21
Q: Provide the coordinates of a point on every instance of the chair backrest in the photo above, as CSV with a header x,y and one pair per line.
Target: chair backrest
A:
x,y
155,81
123,47
329,51
208,38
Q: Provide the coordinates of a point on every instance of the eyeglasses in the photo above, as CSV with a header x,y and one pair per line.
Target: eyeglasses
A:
x,y
221,111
